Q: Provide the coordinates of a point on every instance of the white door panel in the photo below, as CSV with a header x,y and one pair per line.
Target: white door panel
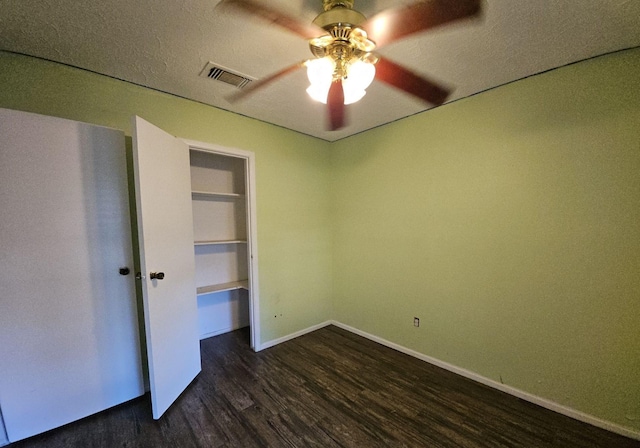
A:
x,y
69,343
165,228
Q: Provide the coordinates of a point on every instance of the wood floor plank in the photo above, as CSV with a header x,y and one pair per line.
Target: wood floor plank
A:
x,y
329,388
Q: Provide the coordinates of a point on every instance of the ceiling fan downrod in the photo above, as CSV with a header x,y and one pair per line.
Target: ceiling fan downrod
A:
x,y
330,4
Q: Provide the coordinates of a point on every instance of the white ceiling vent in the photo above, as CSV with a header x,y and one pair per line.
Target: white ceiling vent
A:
x,y
220,73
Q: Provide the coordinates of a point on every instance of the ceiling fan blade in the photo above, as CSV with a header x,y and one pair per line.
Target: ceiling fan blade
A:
x,y
256,85
391,25
335,106
404,79
262,10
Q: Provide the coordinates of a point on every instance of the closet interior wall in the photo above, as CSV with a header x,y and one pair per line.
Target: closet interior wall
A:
x,y
219,185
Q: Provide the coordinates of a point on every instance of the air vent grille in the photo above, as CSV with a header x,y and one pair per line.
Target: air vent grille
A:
x,y
223,74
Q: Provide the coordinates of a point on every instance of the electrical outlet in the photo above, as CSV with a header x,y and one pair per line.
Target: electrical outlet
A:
x,y
416,322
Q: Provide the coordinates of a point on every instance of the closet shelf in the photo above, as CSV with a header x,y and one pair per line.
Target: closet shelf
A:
x,y
215,242
242,284
214,195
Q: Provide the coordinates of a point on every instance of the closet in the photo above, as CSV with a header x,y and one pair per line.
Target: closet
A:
x,y
218,184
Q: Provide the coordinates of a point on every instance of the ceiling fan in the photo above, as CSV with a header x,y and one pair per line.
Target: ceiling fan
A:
x,y
343,41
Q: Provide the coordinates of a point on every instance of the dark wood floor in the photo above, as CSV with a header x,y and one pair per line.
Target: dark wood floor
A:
x,y
329,388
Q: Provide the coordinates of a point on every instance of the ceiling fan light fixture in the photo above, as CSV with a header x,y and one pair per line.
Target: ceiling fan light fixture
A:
x,y
360,74
358,38
319,93
322,41
321,72
353,95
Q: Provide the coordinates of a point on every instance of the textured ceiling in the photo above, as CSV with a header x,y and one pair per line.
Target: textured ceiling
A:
x,y
165,45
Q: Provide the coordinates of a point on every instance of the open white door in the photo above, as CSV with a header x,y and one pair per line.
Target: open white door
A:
x,y
165,229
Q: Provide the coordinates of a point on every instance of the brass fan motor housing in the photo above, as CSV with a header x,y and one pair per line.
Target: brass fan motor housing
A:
x,y
352,36
338,12
342,23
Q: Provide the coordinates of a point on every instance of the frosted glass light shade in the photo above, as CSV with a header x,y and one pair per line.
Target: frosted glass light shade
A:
x,y
352,95
320,74
319,93
360,75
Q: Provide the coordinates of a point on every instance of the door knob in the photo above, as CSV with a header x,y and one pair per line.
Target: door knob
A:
x,y
156,275
124,271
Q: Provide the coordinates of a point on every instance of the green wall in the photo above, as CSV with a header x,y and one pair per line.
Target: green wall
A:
x,y
509,223
292,175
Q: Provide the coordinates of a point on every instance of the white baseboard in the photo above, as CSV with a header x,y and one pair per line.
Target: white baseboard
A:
x,y
273,342
222,331
569,412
